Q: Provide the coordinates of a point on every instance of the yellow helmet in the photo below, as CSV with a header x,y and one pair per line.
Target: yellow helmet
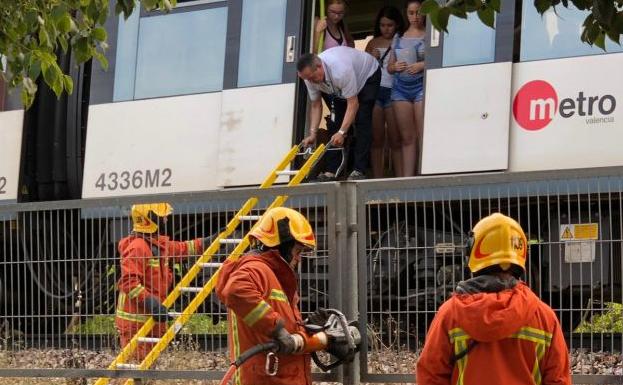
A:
x,y
274,230
142,216
497,240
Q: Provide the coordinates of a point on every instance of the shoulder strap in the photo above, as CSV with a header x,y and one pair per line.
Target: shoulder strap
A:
x,y
382,58
456,357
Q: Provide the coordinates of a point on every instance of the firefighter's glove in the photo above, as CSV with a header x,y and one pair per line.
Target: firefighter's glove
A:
x,y
288,343
156,309
318,318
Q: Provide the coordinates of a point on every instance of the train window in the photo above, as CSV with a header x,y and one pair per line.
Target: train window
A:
x,y
469,42
262,42
556,34
171,54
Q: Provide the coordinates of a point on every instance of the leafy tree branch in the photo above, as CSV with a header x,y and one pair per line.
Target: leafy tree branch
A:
x,y
34,32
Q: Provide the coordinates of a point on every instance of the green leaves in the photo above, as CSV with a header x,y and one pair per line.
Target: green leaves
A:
x,y
542,5
34,32
487,16
604,19
495,5
432,9
604,11
429,6
439,16
99,34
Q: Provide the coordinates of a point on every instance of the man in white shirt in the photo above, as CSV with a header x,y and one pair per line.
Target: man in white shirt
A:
x,y
348,80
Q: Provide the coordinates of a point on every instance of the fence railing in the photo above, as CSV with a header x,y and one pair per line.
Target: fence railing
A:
x,y
389,251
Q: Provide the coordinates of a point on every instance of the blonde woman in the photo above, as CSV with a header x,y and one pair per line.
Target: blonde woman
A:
x,y
406,63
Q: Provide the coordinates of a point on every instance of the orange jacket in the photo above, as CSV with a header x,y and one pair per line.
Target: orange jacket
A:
x,y
145,272
261,289
515,339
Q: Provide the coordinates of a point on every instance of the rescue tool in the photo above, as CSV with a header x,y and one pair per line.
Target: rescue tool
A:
x,y
336,328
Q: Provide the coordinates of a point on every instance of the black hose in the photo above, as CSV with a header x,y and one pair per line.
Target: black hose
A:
x,y
259,348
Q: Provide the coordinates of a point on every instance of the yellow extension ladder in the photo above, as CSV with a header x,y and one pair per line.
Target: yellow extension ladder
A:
x,y
204,262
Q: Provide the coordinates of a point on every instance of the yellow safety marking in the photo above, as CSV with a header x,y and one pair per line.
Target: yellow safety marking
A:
x,y
236,341
136,291
153,262
586,231
278,295
131,317
257,313
566,233
187,279
457,334
541,338
534,335
190,245
579,232
536,370
460,346
121,300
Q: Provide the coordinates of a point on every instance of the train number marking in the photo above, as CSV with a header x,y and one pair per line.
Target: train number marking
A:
x,y
136,179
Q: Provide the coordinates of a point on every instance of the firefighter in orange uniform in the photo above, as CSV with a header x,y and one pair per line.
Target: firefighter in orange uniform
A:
x,y
494,329
260,289
146,275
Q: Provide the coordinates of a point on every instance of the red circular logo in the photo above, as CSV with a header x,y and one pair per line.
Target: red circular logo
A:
x,y
535,105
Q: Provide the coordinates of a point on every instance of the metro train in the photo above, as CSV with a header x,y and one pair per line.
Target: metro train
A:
x,y
192,96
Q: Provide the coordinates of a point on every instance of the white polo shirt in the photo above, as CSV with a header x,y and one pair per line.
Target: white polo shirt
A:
x,y
346,71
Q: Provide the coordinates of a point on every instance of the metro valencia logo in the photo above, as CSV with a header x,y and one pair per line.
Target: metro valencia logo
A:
x,y
537,103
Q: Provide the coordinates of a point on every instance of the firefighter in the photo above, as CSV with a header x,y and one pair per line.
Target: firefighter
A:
x,y
494,329
260,289
146,274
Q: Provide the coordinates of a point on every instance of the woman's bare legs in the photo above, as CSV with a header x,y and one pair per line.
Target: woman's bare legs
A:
x,y
378,141
395,143
404,113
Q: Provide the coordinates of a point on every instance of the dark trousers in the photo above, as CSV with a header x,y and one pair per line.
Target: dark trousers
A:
x,y
359,147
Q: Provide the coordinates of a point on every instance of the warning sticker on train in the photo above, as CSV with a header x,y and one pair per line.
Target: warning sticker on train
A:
x,y
579,231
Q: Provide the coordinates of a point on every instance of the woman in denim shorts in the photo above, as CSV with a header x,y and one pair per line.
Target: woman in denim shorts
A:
x,y
388,22
406,63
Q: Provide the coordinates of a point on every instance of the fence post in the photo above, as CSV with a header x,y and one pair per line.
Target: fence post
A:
x,y
349,273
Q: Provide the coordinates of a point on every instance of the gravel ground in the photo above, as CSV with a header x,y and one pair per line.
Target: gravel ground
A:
x,y
582,362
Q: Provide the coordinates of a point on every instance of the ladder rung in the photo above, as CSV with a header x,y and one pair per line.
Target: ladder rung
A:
x,y
211,265
249,217
128,366
148,339
287,172
191,289
225,241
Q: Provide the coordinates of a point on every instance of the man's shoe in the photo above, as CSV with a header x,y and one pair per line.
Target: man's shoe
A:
x,y
326,177
356,175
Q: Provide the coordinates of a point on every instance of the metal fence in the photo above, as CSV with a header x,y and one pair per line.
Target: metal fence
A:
x,y
390,251
411,256
60,266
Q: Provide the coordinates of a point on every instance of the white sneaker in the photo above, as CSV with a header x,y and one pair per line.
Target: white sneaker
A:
x,y
356,175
